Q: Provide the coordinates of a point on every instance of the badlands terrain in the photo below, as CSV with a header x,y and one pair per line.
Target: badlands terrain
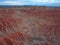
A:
x,y
30,25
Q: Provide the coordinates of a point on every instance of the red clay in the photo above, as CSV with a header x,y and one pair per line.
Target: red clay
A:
x,y
30,26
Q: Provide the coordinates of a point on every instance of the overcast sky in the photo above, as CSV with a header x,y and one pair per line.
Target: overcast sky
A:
x,y
30,2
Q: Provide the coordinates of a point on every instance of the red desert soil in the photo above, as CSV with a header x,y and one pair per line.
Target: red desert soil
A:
x,y
30,26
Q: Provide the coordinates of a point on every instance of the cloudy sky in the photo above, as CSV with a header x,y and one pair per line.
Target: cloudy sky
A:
x,y
30,2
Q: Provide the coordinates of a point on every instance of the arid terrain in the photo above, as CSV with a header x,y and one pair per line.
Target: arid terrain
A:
x,y
30,25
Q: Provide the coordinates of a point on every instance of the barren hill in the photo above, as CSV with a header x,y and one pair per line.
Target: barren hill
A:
x,y
30,26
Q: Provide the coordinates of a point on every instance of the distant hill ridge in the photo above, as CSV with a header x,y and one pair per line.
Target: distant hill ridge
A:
x,y
10,6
